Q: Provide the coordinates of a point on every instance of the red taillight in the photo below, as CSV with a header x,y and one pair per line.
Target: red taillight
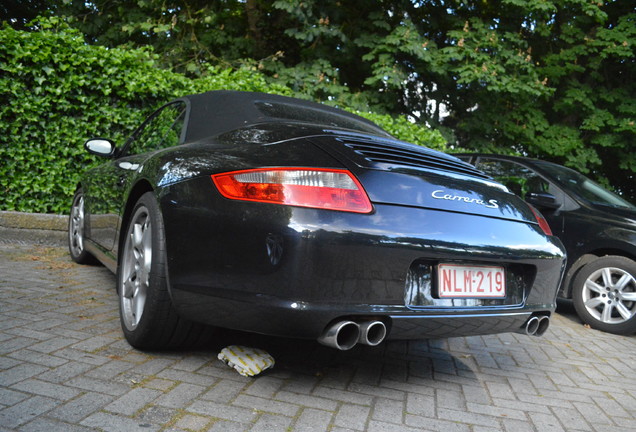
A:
x,y
304,187
543,223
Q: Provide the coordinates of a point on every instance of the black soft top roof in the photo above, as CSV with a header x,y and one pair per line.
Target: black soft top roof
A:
x,y
216,112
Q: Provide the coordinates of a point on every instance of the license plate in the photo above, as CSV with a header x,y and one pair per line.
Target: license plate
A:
x,y
457,281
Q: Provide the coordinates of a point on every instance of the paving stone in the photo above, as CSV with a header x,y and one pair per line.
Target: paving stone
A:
x,y
388,410
228,426
65,372
377,391
421,405
307,401
26,355
99,386
265,387
114,423
75,410
352,416
378,426
313,420
43,388
192,422
51,425
271,423
158,415
222,411
133,401
11,397
546,422
25,411
267,405
451,399
19,373
301,384
180,396
343,396
224,391
434,424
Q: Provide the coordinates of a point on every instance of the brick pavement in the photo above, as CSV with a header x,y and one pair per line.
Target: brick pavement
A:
x,y
64,366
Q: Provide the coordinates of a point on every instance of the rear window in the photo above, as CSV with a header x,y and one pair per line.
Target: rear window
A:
x,y
315,116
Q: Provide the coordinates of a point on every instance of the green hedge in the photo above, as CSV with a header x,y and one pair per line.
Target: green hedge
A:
x,y
57,91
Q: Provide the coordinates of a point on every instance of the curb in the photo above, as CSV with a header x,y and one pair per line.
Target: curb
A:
x,y
33,228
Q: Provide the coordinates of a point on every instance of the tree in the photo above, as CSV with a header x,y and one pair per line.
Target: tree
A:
x,y
547,78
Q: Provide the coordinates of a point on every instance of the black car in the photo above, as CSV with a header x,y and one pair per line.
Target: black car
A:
x,y
285,217
597,228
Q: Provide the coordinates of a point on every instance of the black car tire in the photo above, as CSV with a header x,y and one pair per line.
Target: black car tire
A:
x,y
148,318
604,294
76,226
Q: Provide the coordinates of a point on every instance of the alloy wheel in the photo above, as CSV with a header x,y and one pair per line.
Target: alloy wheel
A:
x,y
76,231
609,295
136,267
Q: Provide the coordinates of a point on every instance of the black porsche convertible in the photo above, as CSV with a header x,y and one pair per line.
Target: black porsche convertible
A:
x,y
285,217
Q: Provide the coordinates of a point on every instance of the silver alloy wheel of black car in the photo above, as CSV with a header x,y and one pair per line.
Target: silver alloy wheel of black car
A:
x,y
136,266
76,226
605,294
148,318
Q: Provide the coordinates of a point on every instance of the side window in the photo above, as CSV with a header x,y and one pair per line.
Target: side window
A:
x,y
519,179
161,130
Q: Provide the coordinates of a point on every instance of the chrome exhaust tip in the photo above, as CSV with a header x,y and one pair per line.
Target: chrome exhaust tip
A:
x,y
372,333
544,323
532,325
342,335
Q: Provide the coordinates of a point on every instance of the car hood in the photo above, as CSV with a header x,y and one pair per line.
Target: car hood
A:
x,y
613,215
617,211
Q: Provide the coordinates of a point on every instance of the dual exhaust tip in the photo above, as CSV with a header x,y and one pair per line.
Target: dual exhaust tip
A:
x,y
344,335
537,325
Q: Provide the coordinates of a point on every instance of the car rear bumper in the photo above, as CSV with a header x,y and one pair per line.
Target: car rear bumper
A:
x,y
288,271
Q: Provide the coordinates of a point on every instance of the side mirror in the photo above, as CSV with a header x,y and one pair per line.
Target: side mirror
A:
x,y
100,147
543,200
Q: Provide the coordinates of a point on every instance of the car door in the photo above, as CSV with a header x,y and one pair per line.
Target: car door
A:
x,y
110,183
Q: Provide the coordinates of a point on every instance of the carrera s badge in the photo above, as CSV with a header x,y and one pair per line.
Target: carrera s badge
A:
x,y
440,194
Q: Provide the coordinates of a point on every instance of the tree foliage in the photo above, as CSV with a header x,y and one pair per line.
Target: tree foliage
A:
x,y
546,78
57,91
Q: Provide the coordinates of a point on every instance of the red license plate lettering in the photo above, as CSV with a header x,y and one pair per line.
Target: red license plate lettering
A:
x,y
458,281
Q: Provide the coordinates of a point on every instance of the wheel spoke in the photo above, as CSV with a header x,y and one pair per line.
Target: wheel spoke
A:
x,y
606,315
624,311
128,288
628,296
593,286
138,303
594,302
623,281
146,264
607,277
137,236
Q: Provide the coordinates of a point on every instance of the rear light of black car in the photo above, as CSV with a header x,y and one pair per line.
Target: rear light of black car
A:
x,y
331,189
543,223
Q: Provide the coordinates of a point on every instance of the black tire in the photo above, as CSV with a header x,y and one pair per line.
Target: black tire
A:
x,y
604,294
148,318
76,236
